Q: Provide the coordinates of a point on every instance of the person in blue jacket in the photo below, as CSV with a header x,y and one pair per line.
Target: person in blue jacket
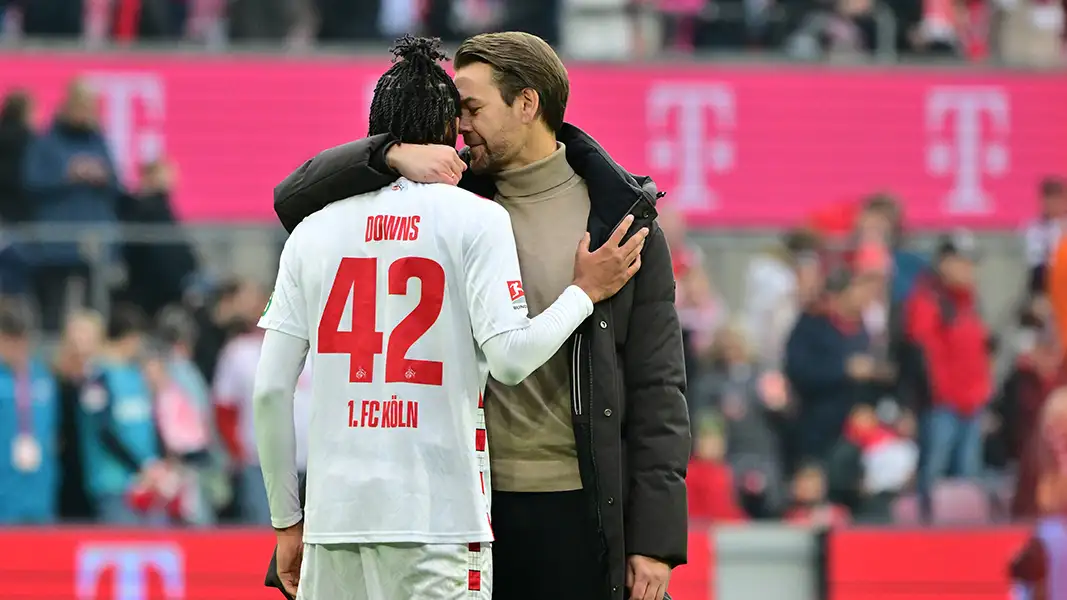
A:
x,y
119,437
29,459
70,178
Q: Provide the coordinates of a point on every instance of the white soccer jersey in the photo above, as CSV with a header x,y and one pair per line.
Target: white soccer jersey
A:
x,y
396,291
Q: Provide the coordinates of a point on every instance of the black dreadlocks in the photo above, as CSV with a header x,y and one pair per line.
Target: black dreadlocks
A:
x,y
416,100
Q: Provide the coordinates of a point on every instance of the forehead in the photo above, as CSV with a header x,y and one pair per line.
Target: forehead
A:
x,y
475,82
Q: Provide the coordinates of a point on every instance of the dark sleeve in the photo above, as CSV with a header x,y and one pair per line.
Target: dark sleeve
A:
x,y
354,168
657,426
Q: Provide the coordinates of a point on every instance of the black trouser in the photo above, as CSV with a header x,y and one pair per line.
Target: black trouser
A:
x,y
546,547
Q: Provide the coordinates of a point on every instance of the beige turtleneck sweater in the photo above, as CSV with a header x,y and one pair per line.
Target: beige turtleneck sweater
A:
x,y
531,439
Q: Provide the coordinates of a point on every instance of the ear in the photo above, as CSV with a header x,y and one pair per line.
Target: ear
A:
x,y
530,105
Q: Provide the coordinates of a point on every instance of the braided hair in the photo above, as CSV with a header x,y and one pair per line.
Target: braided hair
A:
x,y
416,100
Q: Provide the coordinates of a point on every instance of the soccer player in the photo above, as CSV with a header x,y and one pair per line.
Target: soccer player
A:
x,y
409,297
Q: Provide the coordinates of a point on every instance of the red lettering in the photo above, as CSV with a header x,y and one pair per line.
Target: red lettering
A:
x,y
375,411
413,413
394,228
385,414
357,277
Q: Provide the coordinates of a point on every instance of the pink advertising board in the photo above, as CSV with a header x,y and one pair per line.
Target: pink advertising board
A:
x,y
753,146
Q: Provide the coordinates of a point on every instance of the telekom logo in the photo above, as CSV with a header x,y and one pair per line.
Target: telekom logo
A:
x,y
700,140
134,111
969,128
131,564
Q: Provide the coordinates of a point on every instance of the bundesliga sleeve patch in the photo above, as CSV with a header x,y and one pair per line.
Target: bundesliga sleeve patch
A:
x,y
518,296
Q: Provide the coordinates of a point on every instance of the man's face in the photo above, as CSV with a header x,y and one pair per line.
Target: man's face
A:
x,y
1055,205
864,290
493,130
80,107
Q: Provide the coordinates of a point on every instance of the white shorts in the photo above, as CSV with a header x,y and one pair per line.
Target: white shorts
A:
x,y
396,572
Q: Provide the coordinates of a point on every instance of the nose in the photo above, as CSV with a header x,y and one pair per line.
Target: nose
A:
x,y
465,125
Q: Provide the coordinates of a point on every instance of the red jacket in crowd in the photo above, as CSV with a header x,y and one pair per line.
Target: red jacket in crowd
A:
x,y
712,494
945,325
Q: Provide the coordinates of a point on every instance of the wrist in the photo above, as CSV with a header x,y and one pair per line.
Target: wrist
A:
x,y
588,290
390,155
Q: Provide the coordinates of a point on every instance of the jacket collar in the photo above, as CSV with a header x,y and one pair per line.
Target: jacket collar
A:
x,y
612,190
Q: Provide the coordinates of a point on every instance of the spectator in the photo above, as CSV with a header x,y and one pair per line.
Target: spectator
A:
x,y
881,221
177,331
16,133
155,272
778,285
29,465
700,310
752,403
944,327
232,390
71,179
870,466
1042,237
185,436
224,314
810,506
79,345
120,447
710,481
828,361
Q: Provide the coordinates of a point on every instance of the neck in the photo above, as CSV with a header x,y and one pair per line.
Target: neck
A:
x,y
539,147
532,180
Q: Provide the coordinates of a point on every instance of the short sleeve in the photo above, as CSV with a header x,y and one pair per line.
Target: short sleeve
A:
x,y
286,309
495,298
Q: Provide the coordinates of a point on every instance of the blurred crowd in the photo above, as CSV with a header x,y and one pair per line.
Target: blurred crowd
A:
x,y
857,381
138,417
1023,32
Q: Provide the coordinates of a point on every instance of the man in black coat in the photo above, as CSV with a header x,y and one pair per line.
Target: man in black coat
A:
x,y
603,511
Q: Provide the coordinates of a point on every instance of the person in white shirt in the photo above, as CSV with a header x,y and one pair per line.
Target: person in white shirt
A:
x,y
409,298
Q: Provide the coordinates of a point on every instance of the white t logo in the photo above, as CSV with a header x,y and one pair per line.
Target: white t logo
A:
x,y
705,116
967,151
134,111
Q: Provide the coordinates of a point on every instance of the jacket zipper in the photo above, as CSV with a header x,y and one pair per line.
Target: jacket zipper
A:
x,y
576,392
577,363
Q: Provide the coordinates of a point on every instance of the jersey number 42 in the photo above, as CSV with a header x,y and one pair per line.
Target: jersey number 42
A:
x,y
358,277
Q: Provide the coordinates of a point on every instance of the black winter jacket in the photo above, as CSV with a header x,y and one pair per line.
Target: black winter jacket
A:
x,y
630,418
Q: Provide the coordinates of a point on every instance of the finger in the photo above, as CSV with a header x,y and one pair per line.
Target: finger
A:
x,y
640,588
629,577
620,231
634,268
661,590
447,177
458,166
583,244
637,238
630,253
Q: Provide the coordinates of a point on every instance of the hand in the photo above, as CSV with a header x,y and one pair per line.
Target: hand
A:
x,y
602,273
646,578
290,556
885,372
431,163
860,367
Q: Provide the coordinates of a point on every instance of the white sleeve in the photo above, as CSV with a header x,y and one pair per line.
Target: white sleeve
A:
x,y
513,355
280,365
514,345
286,310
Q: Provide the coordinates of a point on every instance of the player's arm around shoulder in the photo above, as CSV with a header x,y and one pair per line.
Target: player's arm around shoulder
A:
x,y
658,418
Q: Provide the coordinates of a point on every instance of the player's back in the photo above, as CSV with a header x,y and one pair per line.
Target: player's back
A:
x,y
397,441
